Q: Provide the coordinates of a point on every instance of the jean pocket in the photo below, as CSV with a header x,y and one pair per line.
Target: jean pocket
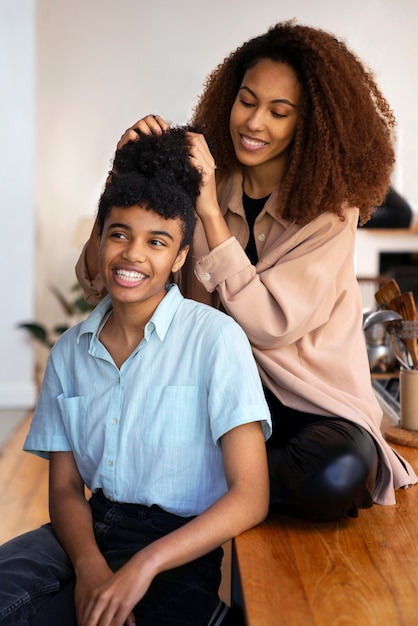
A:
x,y
101,532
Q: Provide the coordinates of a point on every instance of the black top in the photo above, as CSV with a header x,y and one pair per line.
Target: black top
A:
x,y
252,208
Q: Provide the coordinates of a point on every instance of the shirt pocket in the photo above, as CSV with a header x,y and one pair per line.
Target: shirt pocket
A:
x,y
171,416
74,417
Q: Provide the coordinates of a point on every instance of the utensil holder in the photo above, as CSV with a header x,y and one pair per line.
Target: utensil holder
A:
x,y
404,342
408,386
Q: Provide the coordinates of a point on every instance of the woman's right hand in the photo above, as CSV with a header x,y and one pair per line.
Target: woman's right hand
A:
x,y
150,124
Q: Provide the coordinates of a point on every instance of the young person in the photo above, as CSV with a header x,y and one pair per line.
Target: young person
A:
x,y
302,139
155,404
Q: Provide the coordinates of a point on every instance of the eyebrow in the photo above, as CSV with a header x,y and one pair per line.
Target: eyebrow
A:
x,y
161,233
278,101
154,233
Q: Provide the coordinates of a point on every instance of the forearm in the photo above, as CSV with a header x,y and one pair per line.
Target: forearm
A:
x,y
91,252
227,518
215,227
86,271
293,267
72,522
70,513
207,205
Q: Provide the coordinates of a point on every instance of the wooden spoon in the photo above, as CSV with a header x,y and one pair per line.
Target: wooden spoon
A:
x,y
404,304
388,292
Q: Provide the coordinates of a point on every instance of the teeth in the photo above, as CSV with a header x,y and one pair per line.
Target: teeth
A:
x,y
253,142
129,276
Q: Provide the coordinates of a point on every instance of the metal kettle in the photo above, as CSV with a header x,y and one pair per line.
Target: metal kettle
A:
x,y
379,351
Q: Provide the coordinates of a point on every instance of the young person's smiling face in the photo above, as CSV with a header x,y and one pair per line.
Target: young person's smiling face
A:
x,y
264,115
138,250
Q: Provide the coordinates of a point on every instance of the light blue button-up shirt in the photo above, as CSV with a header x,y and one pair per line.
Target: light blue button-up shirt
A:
x,y
149,432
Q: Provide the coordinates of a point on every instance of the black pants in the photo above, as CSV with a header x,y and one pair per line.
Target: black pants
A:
x,y
321,468
37,579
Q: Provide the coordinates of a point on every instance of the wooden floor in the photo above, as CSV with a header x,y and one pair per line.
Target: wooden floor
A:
x,y
23,487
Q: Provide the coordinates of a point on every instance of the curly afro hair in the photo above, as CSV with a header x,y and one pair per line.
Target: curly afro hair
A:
x,y
342,153
154,172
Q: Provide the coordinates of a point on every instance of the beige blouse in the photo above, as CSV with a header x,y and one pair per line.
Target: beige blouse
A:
x,y
301,309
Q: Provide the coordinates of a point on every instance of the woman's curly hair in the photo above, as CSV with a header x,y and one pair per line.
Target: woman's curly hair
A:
x,y
155,172
342,153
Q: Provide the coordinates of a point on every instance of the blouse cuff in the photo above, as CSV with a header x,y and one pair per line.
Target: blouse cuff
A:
x,y
221,263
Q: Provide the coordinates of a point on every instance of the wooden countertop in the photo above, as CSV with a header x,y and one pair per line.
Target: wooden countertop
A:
x,y
361,572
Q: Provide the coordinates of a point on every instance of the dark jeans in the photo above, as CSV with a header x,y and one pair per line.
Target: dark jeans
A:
x,y
37,579
321,468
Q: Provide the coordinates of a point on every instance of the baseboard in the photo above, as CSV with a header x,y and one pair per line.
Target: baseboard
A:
x,y
16,395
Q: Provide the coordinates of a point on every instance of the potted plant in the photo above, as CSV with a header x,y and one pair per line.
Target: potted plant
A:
x,y
75,309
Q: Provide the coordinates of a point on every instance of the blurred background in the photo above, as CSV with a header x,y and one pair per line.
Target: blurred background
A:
x,y
74,74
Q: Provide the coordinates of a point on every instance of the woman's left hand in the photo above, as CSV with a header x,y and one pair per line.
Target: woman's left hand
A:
x,y
207,205
201,157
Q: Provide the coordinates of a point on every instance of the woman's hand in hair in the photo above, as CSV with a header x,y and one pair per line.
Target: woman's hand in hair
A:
x,y
201,157
207,206
146,126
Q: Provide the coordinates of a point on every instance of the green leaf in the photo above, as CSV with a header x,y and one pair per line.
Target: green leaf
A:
x,y
67,306
58,330
82,306
37,332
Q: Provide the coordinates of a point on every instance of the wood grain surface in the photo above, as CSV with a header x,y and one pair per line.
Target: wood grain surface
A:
x,y
361,572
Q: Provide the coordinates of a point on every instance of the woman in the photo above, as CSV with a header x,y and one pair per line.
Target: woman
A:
x,y
303,143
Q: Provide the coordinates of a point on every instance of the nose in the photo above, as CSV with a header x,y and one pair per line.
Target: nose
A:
x,y
134,252
255,120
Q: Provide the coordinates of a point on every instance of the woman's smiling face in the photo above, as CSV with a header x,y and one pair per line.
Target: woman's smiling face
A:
x,y
265,114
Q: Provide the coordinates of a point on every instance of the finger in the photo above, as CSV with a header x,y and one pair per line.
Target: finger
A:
x,y
128,135
199,144
150,124
130,620
200,155
161,121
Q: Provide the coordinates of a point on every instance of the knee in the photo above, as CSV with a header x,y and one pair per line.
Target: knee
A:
x,y
327,471
342,476
340,487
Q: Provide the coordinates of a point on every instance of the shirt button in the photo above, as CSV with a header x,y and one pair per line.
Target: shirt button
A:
x,y
115,420
149,327
110,463
206,276
261,237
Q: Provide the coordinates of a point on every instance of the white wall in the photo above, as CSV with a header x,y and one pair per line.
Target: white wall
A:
x,y
102,64
17,205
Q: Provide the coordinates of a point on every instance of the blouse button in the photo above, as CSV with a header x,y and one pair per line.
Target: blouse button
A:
x,y
261,237
206,276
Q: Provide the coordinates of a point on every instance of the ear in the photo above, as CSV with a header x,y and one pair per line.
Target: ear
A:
x,y
180,259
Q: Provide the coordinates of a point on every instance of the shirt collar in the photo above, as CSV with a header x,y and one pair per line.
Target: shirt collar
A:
x,y
164,313
160,320
230,193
